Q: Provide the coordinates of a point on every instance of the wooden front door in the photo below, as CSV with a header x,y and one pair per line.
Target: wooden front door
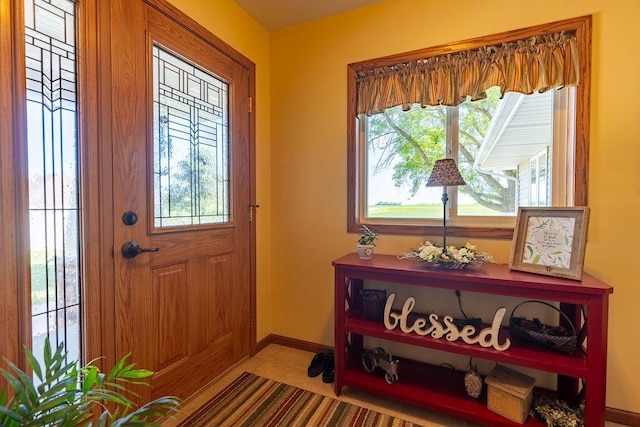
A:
x,y
181,192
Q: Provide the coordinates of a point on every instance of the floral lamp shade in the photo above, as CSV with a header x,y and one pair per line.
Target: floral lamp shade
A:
x,y
445,173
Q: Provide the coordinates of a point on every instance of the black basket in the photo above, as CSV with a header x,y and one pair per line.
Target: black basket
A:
x,y
563,344
373,302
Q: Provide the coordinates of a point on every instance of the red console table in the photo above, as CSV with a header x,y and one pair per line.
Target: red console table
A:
x,y
442,389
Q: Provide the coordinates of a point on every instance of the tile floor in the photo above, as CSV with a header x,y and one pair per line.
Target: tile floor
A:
x,y
289,365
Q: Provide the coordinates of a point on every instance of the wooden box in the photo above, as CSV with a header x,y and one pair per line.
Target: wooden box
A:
x,y
510,393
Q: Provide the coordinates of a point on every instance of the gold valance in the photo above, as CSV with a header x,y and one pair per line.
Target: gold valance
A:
x,y
536,64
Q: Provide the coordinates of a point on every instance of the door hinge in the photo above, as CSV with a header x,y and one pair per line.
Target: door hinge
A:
x,y
251,209
251,321
250,104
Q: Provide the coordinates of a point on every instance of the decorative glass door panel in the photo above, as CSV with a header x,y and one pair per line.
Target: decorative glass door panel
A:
x,y
191,144
52,146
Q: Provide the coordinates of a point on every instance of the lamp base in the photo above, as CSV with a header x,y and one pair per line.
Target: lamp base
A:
x,y
445,199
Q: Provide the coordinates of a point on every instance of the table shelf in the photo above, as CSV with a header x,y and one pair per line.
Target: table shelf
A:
x,y
442,389
437,388
519,353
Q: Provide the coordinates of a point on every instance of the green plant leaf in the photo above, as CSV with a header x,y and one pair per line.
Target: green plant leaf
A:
x,y
102,420
109,396
23,391
137,373
59,381
47,352
115,371
155,409
66,386
33,363
57,403
9,418
54,362
61,416
91,374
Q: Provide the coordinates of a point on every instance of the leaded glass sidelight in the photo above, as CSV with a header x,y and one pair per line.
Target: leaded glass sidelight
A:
x,y
191,143
52,148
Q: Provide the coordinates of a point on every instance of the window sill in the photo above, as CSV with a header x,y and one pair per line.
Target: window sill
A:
x,y
503,233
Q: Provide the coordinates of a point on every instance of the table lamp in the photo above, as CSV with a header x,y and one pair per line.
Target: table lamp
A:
x,y
445,173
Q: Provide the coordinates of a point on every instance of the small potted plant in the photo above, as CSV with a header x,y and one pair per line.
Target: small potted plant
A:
x,y
366,243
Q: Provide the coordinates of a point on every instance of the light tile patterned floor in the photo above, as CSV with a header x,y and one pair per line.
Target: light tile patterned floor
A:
x,y
289,365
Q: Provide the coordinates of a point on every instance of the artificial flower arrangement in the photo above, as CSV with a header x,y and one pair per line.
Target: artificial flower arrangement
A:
x,y
452,258
557,413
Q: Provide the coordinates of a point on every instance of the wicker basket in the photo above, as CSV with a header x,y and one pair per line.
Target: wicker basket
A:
x,y
561,343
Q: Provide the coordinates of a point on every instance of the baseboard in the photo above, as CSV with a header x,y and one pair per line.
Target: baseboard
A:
x,y
613,415
293,343
625,418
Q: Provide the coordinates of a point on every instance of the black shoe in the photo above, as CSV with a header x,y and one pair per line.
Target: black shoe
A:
x,y
328,372
317,364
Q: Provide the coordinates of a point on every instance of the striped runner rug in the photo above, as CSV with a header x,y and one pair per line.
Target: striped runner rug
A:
x,y
255,401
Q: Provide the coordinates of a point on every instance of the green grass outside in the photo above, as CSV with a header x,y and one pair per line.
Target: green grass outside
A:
x,y
424,211
39,278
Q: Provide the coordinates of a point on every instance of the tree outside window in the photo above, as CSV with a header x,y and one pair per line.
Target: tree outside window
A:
x,y
402,147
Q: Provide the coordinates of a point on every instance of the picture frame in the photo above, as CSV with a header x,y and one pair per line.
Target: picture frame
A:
x,y
550,241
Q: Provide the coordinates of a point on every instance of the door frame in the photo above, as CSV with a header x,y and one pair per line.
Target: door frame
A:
x,y
15,313
99,325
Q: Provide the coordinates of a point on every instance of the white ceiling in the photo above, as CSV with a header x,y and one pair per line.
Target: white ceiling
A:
x,y
276,14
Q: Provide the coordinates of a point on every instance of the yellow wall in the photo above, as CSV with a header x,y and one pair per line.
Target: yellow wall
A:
x,y
302,150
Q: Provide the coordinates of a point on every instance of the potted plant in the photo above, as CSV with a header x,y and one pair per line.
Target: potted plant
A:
x,y
366,243
66,394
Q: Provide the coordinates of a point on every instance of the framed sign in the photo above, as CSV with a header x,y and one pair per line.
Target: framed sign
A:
x,y
550,241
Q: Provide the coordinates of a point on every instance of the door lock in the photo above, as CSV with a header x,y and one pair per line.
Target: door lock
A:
x,y
132,249
129,218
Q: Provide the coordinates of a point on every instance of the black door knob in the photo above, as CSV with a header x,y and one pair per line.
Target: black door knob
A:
x,y
132,249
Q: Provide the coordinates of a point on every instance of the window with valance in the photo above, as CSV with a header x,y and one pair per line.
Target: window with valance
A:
x,y
496,104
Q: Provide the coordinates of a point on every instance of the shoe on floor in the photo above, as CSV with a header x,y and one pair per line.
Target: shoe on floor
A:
x,y
318,363
328,372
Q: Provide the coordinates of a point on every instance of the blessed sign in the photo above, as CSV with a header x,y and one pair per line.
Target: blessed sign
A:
x,y
438,328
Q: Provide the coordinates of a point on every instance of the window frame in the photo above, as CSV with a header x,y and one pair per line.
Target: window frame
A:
x,y
355,161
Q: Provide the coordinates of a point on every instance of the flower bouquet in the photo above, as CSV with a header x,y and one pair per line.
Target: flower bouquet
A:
x,y
451,258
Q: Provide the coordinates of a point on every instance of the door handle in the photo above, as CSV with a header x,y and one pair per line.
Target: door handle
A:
x,y
132,249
